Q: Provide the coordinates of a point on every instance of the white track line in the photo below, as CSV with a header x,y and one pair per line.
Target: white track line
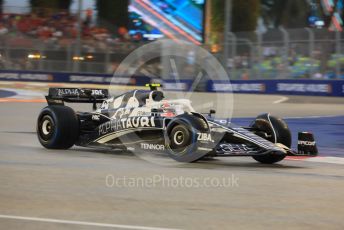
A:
x,y
328,160
282,99
321,116
24,93
48,220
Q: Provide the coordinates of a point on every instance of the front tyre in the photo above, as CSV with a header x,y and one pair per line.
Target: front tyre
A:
x,y
181,138
57,127
273,129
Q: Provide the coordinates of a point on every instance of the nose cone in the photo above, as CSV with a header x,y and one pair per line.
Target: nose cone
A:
x,y
306,144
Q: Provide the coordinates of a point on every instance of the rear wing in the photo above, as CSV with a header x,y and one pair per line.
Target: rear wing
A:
x,y
57,96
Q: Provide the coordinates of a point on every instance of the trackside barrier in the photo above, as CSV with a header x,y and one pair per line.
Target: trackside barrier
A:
x,y
283,87
174,85
34,76
37,76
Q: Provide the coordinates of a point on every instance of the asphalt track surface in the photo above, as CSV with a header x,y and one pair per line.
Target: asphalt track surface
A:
x,y
74,189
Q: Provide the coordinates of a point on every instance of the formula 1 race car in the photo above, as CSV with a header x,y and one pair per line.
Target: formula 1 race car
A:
x,y
143,120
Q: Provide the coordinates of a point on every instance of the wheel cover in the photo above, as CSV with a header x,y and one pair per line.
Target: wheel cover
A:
x,y
179,141
46,127
178,138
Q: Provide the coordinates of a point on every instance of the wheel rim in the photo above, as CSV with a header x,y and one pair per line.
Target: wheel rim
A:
x,y
179,141
178,138
46,127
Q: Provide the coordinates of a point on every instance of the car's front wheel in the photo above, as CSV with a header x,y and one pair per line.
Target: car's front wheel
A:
x,y
275,130
57,127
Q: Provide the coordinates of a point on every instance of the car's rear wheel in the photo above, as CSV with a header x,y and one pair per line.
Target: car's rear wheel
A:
x,y
57,127
275,130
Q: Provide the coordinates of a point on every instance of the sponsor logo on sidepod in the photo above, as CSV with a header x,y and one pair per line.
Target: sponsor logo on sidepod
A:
x,y
126,123
152,146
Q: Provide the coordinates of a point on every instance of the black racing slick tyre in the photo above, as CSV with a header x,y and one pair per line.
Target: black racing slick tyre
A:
x,y
57,127
275,130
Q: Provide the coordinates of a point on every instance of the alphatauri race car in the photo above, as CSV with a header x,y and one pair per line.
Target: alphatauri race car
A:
x,y
143,120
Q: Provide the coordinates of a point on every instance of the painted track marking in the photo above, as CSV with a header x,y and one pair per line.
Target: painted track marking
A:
x,y
330,160
95,224
319,159
21,100
282,99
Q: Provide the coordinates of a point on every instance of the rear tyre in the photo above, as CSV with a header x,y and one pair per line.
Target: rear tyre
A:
x,y
275,130
57,127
